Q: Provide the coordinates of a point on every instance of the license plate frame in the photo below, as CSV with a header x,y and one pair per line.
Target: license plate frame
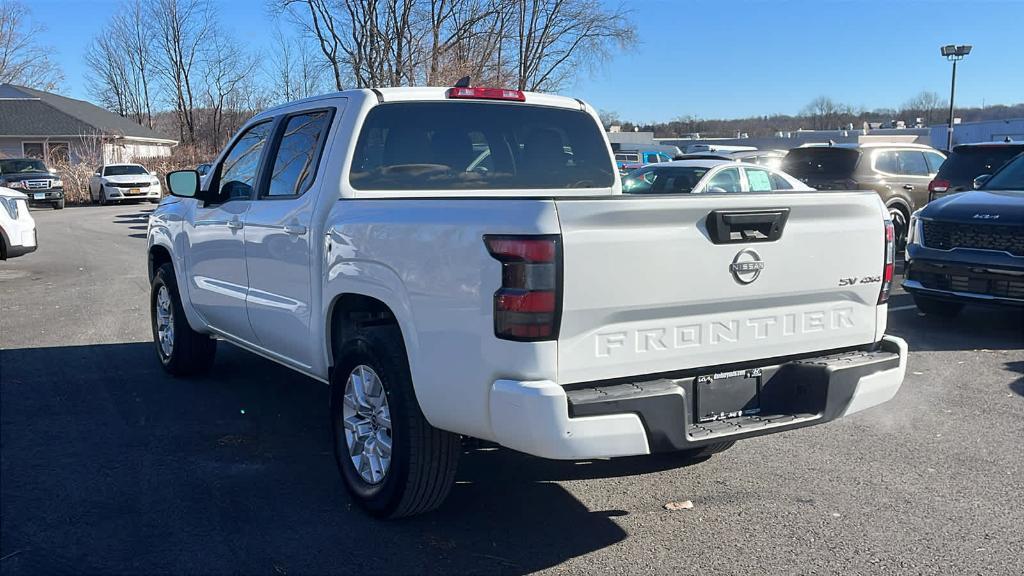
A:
x,y
134,191
725,395
39,195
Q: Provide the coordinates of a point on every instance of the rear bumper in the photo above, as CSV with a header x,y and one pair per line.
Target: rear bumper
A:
x,y
626,419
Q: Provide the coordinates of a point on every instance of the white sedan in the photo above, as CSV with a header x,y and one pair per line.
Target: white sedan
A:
x,y
119,182
708,176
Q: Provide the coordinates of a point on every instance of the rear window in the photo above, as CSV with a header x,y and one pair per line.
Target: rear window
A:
x,y
627,157
820,162
968,162
479,145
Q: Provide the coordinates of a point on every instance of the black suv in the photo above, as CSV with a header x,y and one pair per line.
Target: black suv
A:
x,y
969,247
968,161
32,178
900,173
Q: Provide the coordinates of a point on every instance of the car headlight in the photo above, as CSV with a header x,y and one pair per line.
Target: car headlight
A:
x,y
20,184
11,206
57,184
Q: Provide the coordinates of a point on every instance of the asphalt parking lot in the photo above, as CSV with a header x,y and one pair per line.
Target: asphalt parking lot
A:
x,y
108,465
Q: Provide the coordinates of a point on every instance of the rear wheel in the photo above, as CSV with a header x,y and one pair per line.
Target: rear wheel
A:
x,y
934,307
182,350
392,461
900,226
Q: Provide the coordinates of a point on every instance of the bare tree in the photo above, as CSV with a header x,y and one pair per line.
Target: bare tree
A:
x,y
120,60
927,104
182,29
227,68
555,39
293,69
22,60
135,33
825,114
318,18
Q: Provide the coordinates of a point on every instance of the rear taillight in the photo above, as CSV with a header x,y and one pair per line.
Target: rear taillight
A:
x,y
889,266
938,186
486,94
528,305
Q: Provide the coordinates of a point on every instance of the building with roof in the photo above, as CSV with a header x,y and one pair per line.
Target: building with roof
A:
x,y
56,129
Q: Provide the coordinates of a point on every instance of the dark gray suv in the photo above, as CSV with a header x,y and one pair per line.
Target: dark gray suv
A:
x,y
900,173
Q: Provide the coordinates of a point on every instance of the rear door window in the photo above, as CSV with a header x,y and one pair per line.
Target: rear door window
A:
x,y
758,180
298,154
912,163
440,146
727,180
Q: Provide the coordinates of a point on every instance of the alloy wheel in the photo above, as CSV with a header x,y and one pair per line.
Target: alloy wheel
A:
x,y
366,418
164,321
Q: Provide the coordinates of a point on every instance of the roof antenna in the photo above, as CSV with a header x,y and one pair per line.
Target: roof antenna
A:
x,y
463,82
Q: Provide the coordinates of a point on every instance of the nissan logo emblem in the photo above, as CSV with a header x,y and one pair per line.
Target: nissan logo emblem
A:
x,y
746,266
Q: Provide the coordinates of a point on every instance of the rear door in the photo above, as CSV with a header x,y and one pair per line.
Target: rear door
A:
x,y
648,287
915,174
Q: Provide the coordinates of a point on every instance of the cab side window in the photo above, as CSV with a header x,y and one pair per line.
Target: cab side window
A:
x,y
887,162
934,161
298,154
240,168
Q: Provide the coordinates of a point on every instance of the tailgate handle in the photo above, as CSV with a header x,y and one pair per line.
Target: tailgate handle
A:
x,y
744,226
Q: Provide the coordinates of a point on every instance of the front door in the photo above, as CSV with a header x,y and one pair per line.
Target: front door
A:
x,y
278,240
218,278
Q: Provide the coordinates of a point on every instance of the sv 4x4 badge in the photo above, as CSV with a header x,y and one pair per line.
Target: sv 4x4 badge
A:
x,y
865,280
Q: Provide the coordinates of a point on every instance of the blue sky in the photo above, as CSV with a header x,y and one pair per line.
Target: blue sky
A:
x,y
723,59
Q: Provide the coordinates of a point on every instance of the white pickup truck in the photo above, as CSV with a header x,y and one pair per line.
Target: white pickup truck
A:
x,y
462,262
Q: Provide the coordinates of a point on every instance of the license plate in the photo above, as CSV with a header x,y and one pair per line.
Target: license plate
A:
x,y
39,196
134,191
728,394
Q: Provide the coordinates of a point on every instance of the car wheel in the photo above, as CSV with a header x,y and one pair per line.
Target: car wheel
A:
x,y
59,205
392,461
182,350
899,224
103,197
933,307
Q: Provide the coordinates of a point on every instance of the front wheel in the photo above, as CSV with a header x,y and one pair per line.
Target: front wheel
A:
x,y
103,197
182,350
59,205
392,461
708,450
942,308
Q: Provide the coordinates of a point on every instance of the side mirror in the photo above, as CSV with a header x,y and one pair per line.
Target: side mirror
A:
x,y
183,183
96,174
152,172
981,180
51,170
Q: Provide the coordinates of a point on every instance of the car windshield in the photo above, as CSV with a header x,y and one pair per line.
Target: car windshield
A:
x,y
820,162
968,162
22,165
481,146
1010,177
124,171
663,180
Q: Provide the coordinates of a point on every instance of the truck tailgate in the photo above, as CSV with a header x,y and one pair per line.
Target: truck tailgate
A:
x,y
647,290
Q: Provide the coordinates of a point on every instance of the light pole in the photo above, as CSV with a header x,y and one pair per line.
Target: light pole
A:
x,y
954,54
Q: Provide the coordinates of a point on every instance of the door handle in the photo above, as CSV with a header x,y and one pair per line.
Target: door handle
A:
x,y
235,224
908,187
296,229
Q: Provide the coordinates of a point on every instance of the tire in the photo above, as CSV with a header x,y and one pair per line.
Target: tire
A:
x,y
154,201
707,451
421,469
189,353
941,308
901,226
103,197
59,205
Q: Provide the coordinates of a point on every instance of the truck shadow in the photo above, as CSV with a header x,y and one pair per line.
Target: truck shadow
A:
x,y
108,463
975,328
1018,385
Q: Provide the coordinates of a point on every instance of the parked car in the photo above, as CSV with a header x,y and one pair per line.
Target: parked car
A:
x,y
770,158
968,161
628,160
512,304
899,173
31,176
122,182
17,227
968,248
708,175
